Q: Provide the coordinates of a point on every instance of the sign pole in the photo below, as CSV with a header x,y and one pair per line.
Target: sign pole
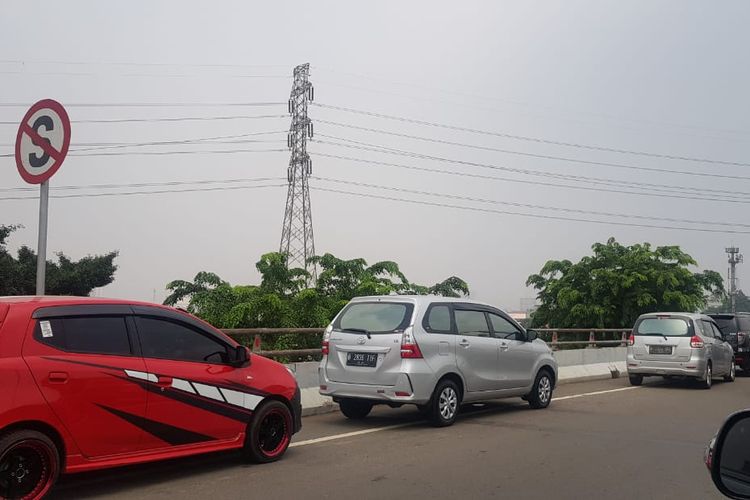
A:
x,y
41,258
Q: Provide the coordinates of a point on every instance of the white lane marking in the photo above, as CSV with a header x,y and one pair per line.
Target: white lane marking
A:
x,y
573,396
398,426
350,434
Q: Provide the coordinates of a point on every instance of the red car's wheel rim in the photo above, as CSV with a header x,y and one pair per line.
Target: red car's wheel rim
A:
x,y
274,433
27,470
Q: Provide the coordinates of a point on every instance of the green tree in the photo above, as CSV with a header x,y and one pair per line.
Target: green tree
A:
x,y
64,277
616,284
742,303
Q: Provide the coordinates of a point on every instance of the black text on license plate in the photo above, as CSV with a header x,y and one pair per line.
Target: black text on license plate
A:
x,y
660,349
361,359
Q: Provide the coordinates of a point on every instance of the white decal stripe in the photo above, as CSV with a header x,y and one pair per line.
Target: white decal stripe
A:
x,y
208,391
251,401
182,385
233,397
141,375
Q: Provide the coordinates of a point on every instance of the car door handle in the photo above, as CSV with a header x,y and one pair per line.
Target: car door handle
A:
x,y
58,377
464,343
164,381
503,346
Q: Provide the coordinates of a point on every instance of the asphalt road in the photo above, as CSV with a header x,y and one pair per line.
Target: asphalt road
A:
x,y
597,440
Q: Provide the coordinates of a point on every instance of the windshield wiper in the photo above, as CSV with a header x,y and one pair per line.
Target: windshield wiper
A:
x,y
357,330
655,334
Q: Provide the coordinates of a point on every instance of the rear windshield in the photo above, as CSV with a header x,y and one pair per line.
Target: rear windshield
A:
x,y
671,327
726,324
374,317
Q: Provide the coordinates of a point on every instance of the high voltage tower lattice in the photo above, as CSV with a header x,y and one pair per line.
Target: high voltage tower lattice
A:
x,y
735,257
297,240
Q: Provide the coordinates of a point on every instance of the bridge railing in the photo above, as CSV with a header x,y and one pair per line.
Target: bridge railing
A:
x,y
556,338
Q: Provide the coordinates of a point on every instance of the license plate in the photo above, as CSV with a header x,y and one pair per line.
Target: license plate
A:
x,y
369,359
660,349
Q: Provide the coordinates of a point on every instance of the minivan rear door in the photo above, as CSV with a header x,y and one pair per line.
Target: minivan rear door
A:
x,y
365,342
663,337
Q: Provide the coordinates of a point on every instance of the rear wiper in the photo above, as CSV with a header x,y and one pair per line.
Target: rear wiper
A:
x,y
357,330
655,334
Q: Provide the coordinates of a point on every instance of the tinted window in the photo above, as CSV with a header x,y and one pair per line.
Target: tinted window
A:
x,y
502,328
727,324
716,331
744,322
439,319
671,327
167,340
706,329
471,323
95,335
375,317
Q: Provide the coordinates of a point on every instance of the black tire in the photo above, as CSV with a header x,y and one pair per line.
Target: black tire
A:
x,y
444,404
269,432
732,375
707,380
355,409
541,392
636,379
34,457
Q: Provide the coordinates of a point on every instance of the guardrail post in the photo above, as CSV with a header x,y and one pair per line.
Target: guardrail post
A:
x,y
256,343
592,339
554,340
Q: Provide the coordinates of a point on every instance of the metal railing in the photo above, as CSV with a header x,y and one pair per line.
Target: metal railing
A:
x,y
550,335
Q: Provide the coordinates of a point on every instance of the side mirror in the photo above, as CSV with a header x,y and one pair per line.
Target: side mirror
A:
x,y
241,357
532,335
728,456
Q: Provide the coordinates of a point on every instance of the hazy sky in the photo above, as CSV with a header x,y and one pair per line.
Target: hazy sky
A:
x,y
667,77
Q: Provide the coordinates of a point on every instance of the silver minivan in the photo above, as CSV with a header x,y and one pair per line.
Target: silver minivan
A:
x,y
433,352
679,345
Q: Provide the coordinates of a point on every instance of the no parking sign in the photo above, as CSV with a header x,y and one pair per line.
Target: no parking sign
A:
x,y
41,145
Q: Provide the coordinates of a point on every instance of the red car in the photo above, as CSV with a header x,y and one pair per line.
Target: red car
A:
x,y
92,383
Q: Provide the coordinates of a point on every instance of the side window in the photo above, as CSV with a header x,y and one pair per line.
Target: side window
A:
x,y
717,332
473,323
438,319
504,329
164,339
90,335
706,329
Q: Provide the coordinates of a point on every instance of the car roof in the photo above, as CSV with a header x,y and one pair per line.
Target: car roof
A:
x,y
420,300
690,315
729,314
60,300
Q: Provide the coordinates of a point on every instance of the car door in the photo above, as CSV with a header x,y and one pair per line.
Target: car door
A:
x,y
194,394
714,347
82,364
476,349
516,356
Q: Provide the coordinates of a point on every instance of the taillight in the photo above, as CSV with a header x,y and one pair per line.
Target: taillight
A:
x,y
696,342
741,336
409,346
631,339
326,339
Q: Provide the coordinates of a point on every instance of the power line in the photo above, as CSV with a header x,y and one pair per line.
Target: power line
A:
x,y
133,193
533,206
670,190
519,181
155,120
144,184
534,155
138,75
166,153
533,139
147,64
522,214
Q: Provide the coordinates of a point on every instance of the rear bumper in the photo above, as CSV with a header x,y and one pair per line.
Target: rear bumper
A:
x,y
401,393
742,359
691,368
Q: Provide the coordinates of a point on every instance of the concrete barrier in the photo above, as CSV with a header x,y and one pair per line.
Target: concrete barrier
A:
x,y
575,365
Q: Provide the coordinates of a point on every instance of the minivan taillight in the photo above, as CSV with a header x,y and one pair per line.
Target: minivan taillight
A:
x,y
696,342
409,346
741,336
631,339
325,345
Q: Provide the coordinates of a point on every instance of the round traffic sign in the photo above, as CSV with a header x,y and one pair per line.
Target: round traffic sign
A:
x,y
42,141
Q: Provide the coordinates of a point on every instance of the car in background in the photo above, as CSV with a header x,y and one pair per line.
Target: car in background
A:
x,y
679,344
736,329
433,352
95,383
